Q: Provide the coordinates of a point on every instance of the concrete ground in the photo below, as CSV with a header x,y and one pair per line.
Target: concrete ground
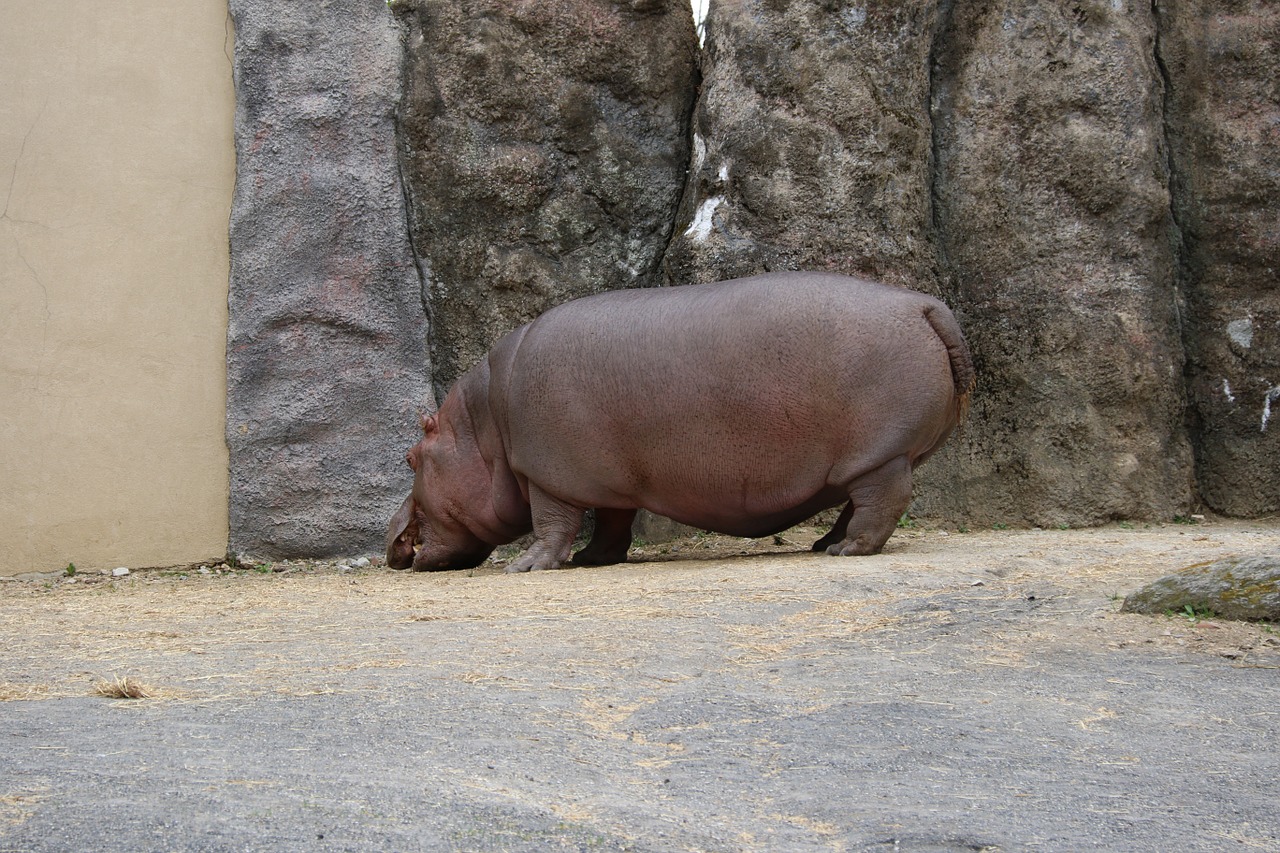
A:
x,y
961,691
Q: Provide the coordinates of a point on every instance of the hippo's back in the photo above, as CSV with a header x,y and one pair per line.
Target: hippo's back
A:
x,y
756,388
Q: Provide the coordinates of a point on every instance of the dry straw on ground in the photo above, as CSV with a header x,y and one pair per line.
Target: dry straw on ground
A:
x,y
125,687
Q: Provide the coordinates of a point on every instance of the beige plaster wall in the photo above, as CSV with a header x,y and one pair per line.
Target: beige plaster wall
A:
x,y
116,173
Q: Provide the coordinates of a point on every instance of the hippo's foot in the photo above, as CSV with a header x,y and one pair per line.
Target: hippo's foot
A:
x,y
530,561
590,556
859,547
555,523
823,544
837,532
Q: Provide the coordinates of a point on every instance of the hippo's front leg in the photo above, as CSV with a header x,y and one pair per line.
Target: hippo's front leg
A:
x,y
555,523
610,541
837,531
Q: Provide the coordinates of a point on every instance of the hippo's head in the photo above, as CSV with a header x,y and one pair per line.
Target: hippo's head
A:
x,y
424,533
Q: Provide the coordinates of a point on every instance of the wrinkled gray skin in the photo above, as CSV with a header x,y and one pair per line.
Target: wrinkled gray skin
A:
x,y
742,407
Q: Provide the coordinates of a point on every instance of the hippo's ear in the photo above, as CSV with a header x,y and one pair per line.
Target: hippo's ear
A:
x,y
429,424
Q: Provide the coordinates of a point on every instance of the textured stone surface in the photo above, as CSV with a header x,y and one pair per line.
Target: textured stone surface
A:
x,y
1222,61
545,146
1235,588
327,340
1091,186
812,143
1054,221
1007,156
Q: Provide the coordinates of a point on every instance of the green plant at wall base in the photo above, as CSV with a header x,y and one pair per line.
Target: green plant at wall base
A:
x,y
1184,519
999,526
69,571
906,522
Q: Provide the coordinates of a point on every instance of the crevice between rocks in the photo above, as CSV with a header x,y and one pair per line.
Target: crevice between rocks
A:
x,y
933,108
660,274
421,265
1180,281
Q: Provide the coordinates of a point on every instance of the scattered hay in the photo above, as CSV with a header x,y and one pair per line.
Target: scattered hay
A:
x,y
19,692
17,807
246,634
125,687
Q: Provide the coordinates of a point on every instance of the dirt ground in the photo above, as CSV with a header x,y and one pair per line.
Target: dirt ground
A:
x,y
960,691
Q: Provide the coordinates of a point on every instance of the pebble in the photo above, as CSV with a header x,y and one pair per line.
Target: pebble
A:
x,y
362,563
119,572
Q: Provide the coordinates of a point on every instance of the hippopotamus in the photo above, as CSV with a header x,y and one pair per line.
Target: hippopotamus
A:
x,y
742,407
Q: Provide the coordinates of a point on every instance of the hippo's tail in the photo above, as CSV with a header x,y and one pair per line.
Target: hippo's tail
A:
x,y
948,331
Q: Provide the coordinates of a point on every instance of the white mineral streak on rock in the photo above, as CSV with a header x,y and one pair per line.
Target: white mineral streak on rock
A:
x,y
854,18
1241,332
1273,393
1226,389
700,230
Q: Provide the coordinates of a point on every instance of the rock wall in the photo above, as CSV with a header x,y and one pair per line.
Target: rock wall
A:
x,y
812,143
1054,222
1007,156
544,148
326,361
1221,63
1092,186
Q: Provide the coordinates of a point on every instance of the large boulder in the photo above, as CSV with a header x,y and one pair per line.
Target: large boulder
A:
x,y
1007,156
1222,61
1054,222
544,149
812,143
326,345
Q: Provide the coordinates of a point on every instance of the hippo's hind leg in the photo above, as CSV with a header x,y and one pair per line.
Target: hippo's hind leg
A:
x,y
555,523
610,541
837,530
877,500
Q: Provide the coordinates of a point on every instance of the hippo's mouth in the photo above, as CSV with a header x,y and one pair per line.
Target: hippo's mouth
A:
x,y
425,560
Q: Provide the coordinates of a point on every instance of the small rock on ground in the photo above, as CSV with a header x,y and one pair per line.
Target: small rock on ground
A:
x,y
1235,588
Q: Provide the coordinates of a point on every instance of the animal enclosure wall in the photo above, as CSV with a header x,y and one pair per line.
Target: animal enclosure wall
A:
x,y
1091,186
116,170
